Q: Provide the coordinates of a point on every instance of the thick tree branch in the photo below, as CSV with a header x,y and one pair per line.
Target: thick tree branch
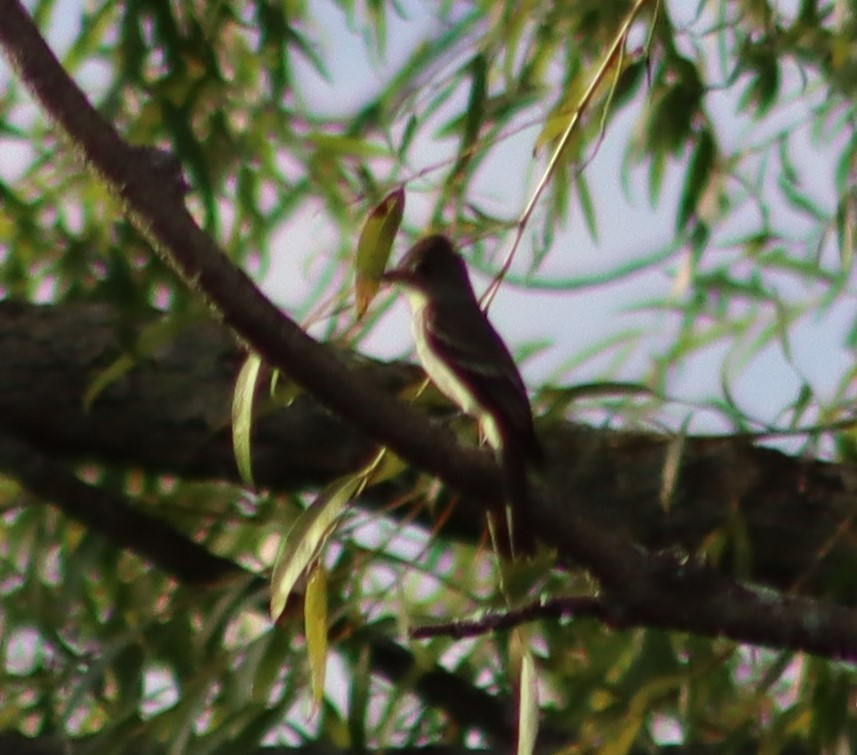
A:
x,y
169,414
109,514
13,743
165,405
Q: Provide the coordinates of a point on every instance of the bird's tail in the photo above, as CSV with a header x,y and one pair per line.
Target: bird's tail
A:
x,y
517,528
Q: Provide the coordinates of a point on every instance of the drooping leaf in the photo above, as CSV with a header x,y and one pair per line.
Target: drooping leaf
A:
x,y
672,465
671,117
588,207
374,246
846,218
305,540
315,626
604,74
762,91
475,113
697,178
527,692
796,195
106,377
242,415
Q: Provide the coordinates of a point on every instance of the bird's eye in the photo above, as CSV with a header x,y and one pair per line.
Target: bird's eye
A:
x,y
425,267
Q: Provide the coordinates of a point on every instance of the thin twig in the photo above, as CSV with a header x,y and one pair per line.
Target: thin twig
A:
x,y
615,51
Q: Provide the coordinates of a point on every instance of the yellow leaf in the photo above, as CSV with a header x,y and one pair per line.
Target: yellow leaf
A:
x,y
242,415
373,248
315,627
580,95
527,685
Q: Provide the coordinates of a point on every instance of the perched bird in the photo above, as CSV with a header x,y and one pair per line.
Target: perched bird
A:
x,y
469,363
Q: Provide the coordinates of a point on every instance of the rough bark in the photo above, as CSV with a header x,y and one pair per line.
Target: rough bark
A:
x,y
785,522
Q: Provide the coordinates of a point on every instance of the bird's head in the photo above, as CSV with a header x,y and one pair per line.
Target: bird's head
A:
x,y
433,267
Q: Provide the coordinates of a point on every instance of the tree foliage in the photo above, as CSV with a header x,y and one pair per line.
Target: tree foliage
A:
x,y
693,593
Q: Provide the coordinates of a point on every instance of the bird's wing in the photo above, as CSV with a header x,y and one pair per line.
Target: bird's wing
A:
x,y
474,351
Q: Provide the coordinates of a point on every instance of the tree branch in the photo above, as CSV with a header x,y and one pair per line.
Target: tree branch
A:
x,y
13,743
159,213
110,515
540,610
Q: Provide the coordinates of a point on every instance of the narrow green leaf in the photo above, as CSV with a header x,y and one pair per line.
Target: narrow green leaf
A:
x,y
657,165
788,169
671,118
845,166
308,50
698,176
376,10
806,399
761,92
845,220
407,136
109,375
672,465
242,415
628,82
799,200
348,146
476,102
150,338
587,206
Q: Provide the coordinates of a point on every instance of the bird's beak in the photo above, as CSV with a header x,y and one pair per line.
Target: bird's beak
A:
x,y
396,275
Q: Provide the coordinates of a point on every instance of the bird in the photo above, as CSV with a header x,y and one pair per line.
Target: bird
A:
x,y
468,361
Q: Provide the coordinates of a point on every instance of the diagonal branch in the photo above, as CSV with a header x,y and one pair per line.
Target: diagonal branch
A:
x,y
155,205
109,514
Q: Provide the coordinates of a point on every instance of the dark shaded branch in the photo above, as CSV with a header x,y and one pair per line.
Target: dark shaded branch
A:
x,y
169,414
541,610
12,743
110,515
